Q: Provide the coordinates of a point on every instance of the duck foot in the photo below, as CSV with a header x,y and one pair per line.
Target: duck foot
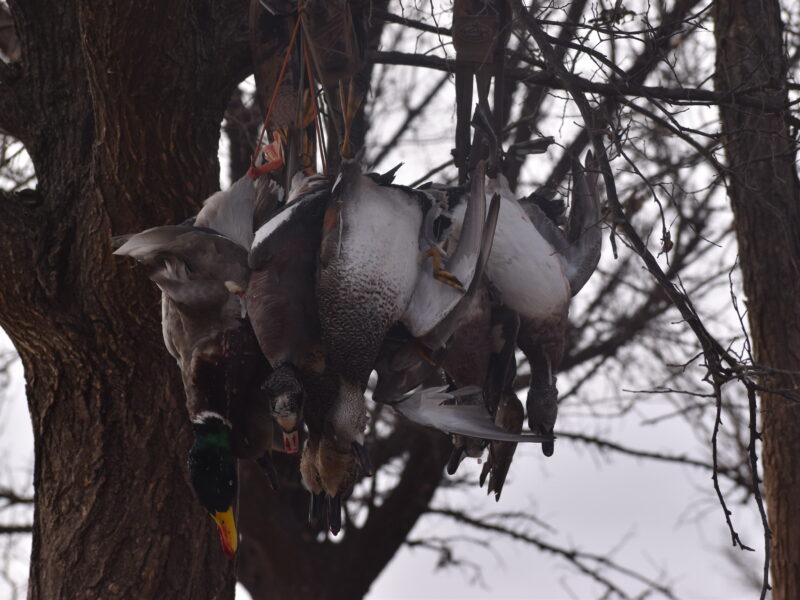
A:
x,y
441,274
315,509
424,353
548,448
455,459
265,462
361,453
335,514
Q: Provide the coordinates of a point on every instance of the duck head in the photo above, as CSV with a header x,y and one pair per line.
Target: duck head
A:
x,y
286,399
212,471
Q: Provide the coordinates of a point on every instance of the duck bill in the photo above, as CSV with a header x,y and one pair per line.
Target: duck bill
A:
x,y
291,442
226,526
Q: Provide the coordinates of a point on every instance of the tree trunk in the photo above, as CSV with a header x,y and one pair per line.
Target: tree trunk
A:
x,y
281,557
765,195
119,105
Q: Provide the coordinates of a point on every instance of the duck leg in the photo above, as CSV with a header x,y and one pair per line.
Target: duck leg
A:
x,y
315,509
501,6
464,75
503,403
542,399
441,274
362,455
473,38
335,513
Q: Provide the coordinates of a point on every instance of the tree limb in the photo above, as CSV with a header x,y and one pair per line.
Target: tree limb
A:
x,y
10,111
12,529
678,96
411,114
581,560
730,473
412,23
720,364
12,497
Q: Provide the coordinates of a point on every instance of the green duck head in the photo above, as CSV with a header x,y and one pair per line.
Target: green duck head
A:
x,y
212,471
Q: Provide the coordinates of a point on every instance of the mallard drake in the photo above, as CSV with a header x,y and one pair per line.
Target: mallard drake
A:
x,y
196,266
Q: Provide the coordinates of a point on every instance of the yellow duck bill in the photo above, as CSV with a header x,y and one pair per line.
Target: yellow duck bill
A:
x,y
226,525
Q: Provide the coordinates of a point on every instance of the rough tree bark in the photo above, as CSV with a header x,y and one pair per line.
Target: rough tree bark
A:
x,y
765,195
119,105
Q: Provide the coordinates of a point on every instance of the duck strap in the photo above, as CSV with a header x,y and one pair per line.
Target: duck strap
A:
x,y
504,33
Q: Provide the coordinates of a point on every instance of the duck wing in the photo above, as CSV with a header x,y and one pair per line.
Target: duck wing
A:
x,y
230,212
281,296
524,268
583,229
432,407
579,247
195,267
442,332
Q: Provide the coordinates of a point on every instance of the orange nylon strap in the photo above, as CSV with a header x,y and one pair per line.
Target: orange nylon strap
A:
x,y
317,124
255,172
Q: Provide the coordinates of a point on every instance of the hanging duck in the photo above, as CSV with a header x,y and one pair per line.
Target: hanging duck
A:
x,y
532,272
196,266
282,305
370,263
281,300
474,344
434,313
537,268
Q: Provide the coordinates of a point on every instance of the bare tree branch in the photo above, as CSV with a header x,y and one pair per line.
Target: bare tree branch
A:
x,y
412,114
678,96
587,563
602,443
13,497
714,352
15,529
